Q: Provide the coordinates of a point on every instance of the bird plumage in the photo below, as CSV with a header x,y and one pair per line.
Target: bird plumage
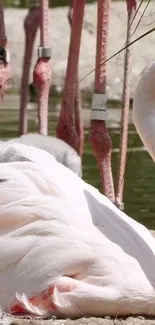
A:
x,y
144,109
61,238
62,152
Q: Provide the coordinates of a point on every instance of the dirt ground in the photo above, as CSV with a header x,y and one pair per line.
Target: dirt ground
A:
x,y
88,321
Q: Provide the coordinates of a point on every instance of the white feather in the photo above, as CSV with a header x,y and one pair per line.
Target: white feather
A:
x,y
23,299
62,152
53,224
144,109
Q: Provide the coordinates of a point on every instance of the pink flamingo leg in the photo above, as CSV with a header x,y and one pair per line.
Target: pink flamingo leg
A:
x,y
66,129
31,25
78,121
4,55
131,7
77,103
42,70
99,136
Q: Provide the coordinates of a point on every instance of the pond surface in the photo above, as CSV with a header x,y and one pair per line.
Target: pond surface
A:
x,y
139,194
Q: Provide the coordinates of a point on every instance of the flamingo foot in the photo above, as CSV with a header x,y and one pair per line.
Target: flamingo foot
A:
x,y
79,121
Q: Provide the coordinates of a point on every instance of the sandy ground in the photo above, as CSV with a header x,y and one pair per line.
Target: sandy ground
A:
x,y
59,31
89,321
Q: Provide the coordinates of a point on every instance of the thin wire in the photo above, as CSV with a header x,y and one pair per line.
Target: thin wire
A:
x,y
116,53
136,12
141,17
133,19
129,155
149,14
150,23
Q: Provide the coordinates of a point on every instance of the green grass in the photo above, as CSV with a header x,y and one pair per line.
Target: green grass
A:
x,y
52,3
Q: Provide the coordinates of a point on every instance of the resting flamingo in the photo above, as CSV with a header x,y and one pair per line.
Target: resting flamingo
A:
x,y
61,150
90,257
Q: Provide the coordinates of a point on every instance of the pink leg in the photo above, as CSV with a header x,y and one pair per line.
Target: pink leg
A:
x,y
4,55
31,25
78,121
66,129
99,136
42,70
131,7
77,103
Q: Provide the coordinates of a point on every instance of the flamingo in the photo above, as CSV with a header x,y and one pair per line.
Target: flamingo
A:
x,y
70,126
68,129
90,257
63,153
143,108
61,150
99,135
131,10
31,25
77,99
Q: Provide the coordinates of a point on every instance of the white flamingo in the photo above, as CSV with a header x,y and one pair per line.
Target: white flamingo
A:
x,y
66,250
144,109
61,150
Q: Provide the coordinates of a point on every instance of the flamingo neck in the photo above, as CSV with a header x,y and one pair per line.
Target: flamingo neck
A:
x,y
144,109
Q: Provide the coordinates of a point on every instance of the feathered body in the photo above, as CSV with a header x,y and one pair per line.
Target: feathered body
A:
x,y
62,152
66,250
144,109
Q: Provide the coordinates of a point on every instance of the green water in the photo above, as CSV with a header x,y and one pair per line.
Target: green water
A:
x,y
139,194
